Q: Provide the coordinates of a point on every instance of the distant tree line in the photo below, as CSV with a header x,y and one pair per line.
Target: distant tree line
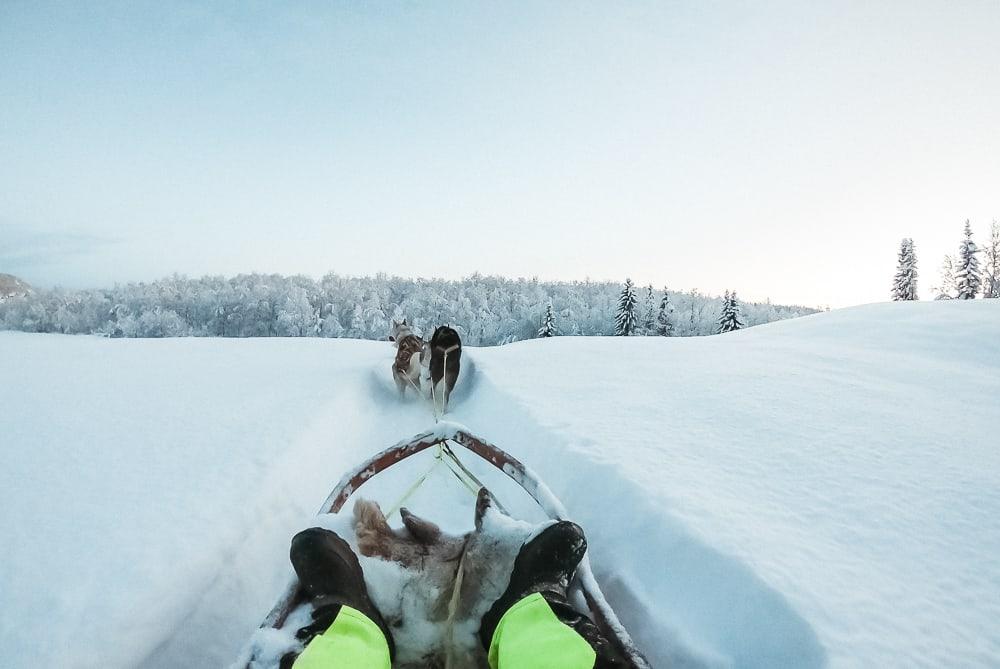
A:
x,y
486,310
963,277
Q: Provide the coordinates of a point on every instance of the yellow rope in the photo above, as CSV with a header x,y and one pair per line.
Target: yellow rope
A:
x,y
416,484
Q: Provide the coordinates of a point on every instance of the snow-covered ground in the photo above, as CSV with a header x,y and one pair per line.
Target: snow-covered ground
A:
x,y
822,491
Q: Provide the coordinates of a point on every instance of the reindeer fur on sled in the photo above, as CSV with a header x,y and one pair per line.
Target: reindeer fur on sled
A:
x,y
449,581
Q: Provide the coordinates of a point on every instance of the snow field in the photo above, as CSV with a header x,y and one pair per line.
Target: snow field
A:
x,y
823,491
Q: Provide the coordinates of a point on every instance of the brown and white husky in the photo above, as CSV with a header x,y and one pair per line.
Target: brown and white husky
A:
x,y
409,356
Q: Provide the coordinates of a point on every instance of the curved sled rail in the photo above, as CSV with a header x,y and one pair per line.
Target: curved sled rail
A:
x,y
604,616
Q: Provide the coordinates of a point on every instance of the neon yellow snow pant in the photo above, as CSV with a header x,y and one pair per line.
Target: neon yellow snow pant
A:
x,y
529,636
353,640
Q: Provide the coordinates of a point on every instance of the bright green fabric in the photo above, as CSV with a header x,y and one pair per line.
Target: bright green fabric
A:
x,y
353,641
530,636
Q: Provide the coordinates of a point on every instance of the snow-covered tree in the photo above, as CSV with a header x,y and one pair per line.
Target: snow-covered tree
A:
x,y
160,323
296,316
905,285
991,270
489,309
729,320
649,318
548,328
665,317
626,320
946,291
967,276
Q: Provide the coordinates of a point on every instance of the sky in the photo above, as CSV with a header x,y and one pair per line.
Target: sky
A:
x,y
780,149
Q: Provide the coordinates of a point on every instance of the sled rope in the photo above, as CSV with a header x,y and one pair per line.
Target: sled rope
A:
x,y
453,602
458,469
416,484
443,454
477,485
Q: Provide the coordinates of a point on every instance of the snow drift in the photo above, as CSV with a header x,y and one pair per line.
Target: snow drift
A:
x,y
823,491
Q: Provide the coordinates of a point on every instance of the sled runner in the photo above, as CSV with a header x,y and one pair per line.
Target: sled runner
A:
x,y
443,437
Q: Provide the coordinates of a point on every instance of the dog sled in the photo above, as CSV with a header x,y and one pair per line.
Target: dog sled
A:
x,y
448,440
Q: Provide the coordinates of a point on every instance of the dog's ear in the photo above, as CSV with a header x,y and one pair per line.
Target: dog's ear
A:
x,y
404,321
395,323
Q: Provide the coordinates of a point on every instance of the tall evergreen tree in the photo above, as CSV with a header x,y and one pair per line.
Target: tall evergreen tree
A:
x,y
626,320
905,285
968,276
729,320
991,284
665,318
548,328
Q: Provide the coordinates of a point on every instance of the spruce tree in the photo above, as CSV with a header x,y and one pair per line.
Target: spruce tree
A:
x,y
665,320
627,321
729,320
991,284
905,285
968,275
649,321
548,328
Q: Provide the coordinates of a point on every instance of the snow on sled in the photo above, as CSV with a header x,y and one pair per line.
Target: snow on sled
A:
x,y
433,588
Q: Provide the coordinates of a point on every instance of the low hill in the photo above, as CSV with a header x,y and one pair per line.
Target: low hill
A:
x,y
11,286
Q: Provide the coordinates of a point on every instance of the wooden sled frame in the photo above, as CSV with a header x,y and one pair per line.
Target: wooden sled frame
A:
x,y
451,433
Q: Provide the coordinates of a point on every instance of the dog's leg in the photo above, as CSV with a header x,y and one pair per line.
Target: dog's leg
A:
x,y
400,383
413,373
450,379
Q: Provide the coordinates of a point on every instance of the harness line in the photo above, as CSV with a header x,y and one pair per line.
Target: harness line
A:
x,y
416,484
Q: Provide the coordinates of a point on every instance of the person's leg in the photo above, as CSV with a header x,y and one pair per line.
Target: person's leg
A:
x,y
353,640
532,625
347,630
530,635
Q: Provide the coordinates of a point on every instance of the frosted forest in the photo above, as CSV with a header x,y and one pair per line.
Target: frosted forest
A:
x,y
486,310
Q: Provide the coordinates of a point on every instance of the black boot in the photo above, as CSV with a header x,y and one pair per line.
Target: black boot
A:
x,y
546,565
331,576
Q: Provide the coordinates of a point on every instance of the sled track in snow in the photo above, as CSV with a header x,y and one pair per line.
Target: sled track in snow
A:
x,y
720,613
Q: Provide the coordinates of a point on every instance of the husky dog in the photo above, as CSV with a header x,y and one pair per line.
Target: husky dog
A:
x,y
409,356
445,361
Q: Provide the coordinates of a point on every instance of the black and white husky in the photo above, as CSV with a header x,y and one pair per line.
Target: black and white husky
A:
x,y
446,359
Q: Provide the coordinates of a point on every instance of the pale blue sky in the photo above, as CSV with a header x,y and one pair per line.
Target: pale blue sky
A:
x,y
778,148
